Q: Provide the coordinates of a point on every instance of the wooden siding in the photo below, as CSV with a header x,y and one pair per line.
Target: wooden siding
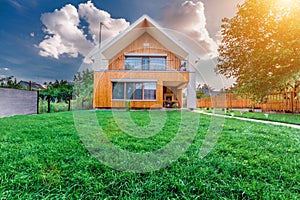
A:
x,y
280,102
285,101
103,87
228,101
117,63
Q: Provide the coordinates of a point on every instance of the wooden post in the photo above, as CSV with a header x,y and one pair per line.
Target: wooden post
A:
x,y
69,104
293,99
30,85
296,98
286,100
48,99
38,102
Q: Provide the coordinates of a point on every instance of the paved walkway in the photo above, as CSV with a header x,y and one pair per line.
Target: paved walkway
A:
x,y
251,120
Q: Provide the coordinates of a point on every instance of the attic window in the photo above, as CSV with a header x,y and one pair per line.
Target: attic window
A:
x,y
147,63
146,44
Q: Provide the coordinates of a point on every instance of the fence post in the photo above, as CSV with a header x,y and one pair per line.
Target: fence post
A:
x,y
297,98
69,104
293,100
48,99
38,102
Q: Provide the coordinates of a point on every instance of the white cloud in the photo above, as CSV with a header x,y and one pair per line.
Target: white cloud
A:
x,y
4,69
93,16
4,72
189,18
65,35
32,34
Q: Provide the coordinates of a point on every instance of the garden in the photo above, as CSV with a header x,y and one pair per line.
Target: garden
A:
x,y
43,157
268,116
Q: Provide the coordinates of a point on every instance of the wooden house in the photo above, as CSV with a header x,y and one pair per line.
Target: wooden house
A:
x,y
144,67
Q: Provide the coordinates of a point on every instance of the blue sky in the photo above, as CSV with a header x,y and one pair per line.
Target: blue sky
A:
x,y
27,33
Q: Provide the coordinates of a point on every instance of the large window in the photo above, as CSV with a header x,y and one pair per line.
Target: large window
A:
x,y
134,91
118,90
138,92
150,91
158,63
133,63
146,63
130,87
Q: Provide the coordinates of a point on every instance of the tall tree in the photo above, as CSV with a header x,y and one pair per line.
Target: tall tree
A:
x,y
84,89
261,47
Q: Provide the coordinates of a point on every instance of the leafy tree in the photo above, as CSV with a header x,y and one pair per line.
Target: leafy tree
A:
x,y
10,82
84,89
60,90
203,90
261,47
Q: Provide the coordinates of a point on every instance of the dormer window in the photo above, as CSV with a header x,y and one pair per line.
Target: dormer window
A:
x,y
146,62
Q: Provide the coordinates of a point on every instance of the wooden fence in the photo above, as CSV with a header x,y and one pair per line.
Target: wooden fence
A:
x,y
281,102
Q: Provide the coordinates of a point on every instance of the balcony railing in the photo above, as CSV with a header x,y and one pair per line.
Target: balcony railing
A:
x,y
166,65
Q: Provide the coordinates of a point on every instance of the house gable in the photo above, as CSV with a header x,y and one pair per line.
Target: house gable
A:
x,y
144,25
145,45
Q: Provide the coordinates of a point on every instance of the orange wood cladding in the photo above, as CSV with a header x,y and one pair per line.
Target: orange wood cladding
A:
x,y
103,87
287,101
117,63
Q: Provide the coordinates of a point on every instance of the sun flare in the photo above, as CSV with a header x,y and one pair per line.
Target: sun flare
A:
x,y
285,2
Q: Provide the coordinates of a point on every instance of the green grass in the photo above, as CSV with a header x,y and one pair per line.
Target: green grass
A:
x,y
62,106
277,117
42,157
54,107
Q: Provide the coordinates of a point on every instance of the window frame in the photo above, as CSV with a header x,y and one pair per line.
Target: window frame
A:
x,y
142,66
133,95
113,90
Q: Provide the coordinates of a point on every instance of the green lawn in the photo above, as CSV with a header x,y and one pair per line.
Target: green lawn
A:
x,y
278,117
42,157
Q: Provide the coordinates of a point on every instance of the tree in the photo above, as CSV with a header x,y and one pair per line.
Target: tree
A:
x,y
84,89
204,91
10,82
60,90
261,47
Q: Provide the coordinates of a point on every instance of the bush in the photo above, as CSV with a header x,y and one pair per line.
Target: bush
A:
x,y
54,107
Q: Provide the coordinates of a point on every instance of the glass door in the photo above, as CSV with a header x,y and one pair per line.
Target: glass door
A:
x,y
145,63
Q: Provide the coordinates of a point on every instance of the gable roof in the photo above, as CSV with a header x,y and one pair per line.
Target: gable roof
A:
x,y
143,25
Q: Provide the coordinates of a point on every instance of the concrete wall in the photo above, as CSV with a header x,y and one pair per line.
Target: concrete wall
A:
x,y
17,102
